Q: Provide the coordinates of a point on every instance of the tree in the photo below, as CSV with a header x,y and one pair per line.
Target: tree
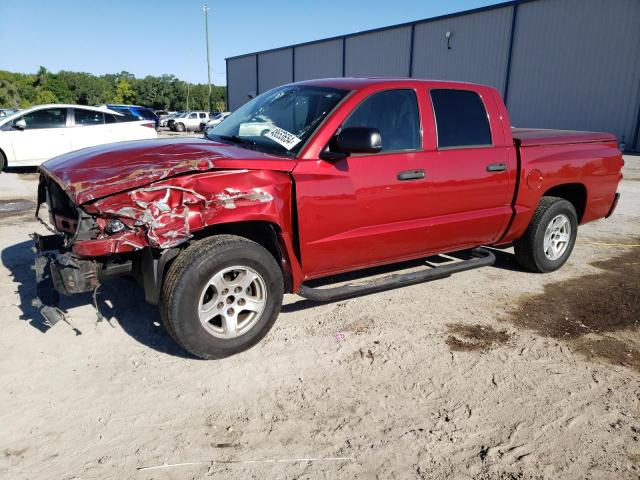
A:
x,y
124,93
163,92
44,96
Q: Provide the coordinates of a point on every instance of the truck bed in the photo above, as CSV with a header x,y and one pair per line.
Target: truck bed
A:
x,y
528,137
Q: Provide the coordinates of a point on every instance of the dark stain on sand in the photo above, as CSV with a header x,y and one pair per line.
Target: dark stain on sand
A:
x,y
598,315
17,206
468,338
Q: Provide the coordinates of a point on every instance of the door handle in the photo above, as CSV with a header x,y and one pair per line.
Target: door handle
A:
x,y
496,167
411,175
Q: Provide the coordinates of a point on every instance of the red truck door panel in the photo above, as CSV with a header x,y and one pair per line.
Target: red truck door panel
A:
x,y
409,200
356,212
469,170
365,209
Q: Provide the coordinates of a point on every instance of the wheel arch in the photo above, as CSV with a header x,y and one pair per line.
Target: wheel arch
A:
x,y
265,233
155,263
4,156
574,193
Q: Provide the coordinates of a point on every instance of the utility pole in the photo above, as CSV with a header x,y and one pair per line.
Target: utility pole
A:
x,y
188,96
205,8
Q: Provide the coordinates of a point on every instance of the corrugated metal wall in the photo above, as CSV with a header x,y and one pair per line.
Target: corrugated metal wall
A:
x,y
479,48
318,60
275,68
378,54
241,80
576,64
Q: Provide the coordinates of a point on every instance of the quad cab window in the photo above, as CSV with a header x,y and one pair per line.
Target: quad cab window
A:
x,y
279,121
461,119
394,113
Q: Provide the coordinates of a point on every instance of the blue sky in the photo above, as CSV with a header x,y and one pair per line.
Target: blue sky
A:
x,y
167,36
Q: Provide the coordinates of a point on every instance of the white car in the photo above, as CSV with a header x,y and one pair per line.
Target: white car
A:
x,y
164,121
188,121
216,120
32,136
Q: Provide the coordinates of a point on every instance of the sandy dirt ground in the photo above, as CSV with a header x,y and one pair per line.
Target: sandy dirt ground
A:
x,y
490,374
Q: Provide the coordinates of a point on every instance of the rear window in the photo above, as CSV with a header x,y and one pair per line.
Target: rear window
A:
x,y
125,116
88,117
126,111
146,114
461,119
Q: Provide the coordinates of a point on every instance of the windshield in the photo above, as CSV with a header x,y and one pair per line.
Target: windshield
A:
x,y
278,121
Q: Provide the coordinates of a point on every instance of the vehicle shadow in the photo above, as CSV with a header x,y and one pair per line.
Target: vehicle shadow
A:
x,y
120,301
504,261
21,169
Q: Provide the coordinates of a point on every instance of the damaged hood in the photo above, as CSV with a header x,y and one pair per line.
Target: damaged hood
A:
x,y
97,172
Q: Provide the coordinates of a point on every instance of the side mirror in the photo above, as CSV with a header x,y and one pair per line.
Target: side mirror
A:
x,y
359,140
20,124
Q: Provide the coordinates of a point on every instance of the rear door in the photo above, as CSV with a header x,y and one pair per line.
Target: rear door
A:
x,y
192,120
45,136
468,168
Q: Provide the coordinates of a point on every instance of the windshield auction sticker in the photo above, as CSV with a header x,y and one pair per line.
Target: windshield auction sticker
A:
x,y
287,139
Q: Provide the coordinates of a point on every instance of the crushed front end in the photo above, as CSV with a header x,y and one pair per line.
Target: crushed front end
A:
x,y
58,268
138,230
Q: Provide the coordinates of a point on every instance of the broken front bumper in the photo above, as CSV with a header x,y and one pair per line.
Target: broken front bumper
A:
x,y
58,272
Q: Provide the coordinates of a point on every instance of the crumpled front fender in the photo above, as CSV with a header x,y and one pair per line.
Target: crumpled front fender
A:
x,y
165,214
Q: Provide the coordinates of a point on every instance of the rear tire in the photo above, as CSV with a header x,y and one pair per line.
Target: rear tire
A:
x,y
549,239
221,296
3,161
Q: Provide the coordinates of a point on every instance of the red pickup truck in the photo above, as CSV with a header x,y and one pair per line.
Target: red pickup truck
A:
x,y
309,180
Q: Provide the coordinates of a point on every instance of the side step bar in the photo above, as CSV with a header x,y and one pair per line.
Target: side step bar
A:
x,y
481,258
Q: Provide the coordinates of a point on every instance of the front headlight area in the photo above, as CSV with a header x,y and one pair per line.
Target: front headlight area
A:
x,y
114,226
95,224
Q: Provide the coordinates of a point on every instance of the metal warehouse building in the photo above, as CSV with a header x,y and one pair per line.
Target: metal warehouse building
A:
x,y
569,64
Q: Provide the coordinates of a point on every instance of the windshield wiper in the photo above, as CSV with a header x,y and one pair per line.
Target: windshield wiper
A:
x,y
252,145
237,139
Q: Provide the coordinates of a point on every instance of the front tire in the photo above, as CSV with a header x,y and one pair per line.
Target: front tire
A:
x,y
221,296
549,239
180,127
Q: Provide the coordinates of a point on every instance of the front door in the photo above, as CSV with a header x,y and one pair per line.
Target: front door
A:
x,y
365,209
45,136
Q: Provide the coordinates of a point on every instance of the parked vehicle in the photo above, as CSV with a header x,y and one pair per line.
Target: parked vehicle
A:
x,y
214,121
31,136
349,174
190,121
166,121
163,113
141,113
5,112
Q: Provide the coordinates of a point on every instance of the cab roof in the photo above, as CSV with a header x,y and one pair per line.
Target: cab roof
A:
x,y
359,83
